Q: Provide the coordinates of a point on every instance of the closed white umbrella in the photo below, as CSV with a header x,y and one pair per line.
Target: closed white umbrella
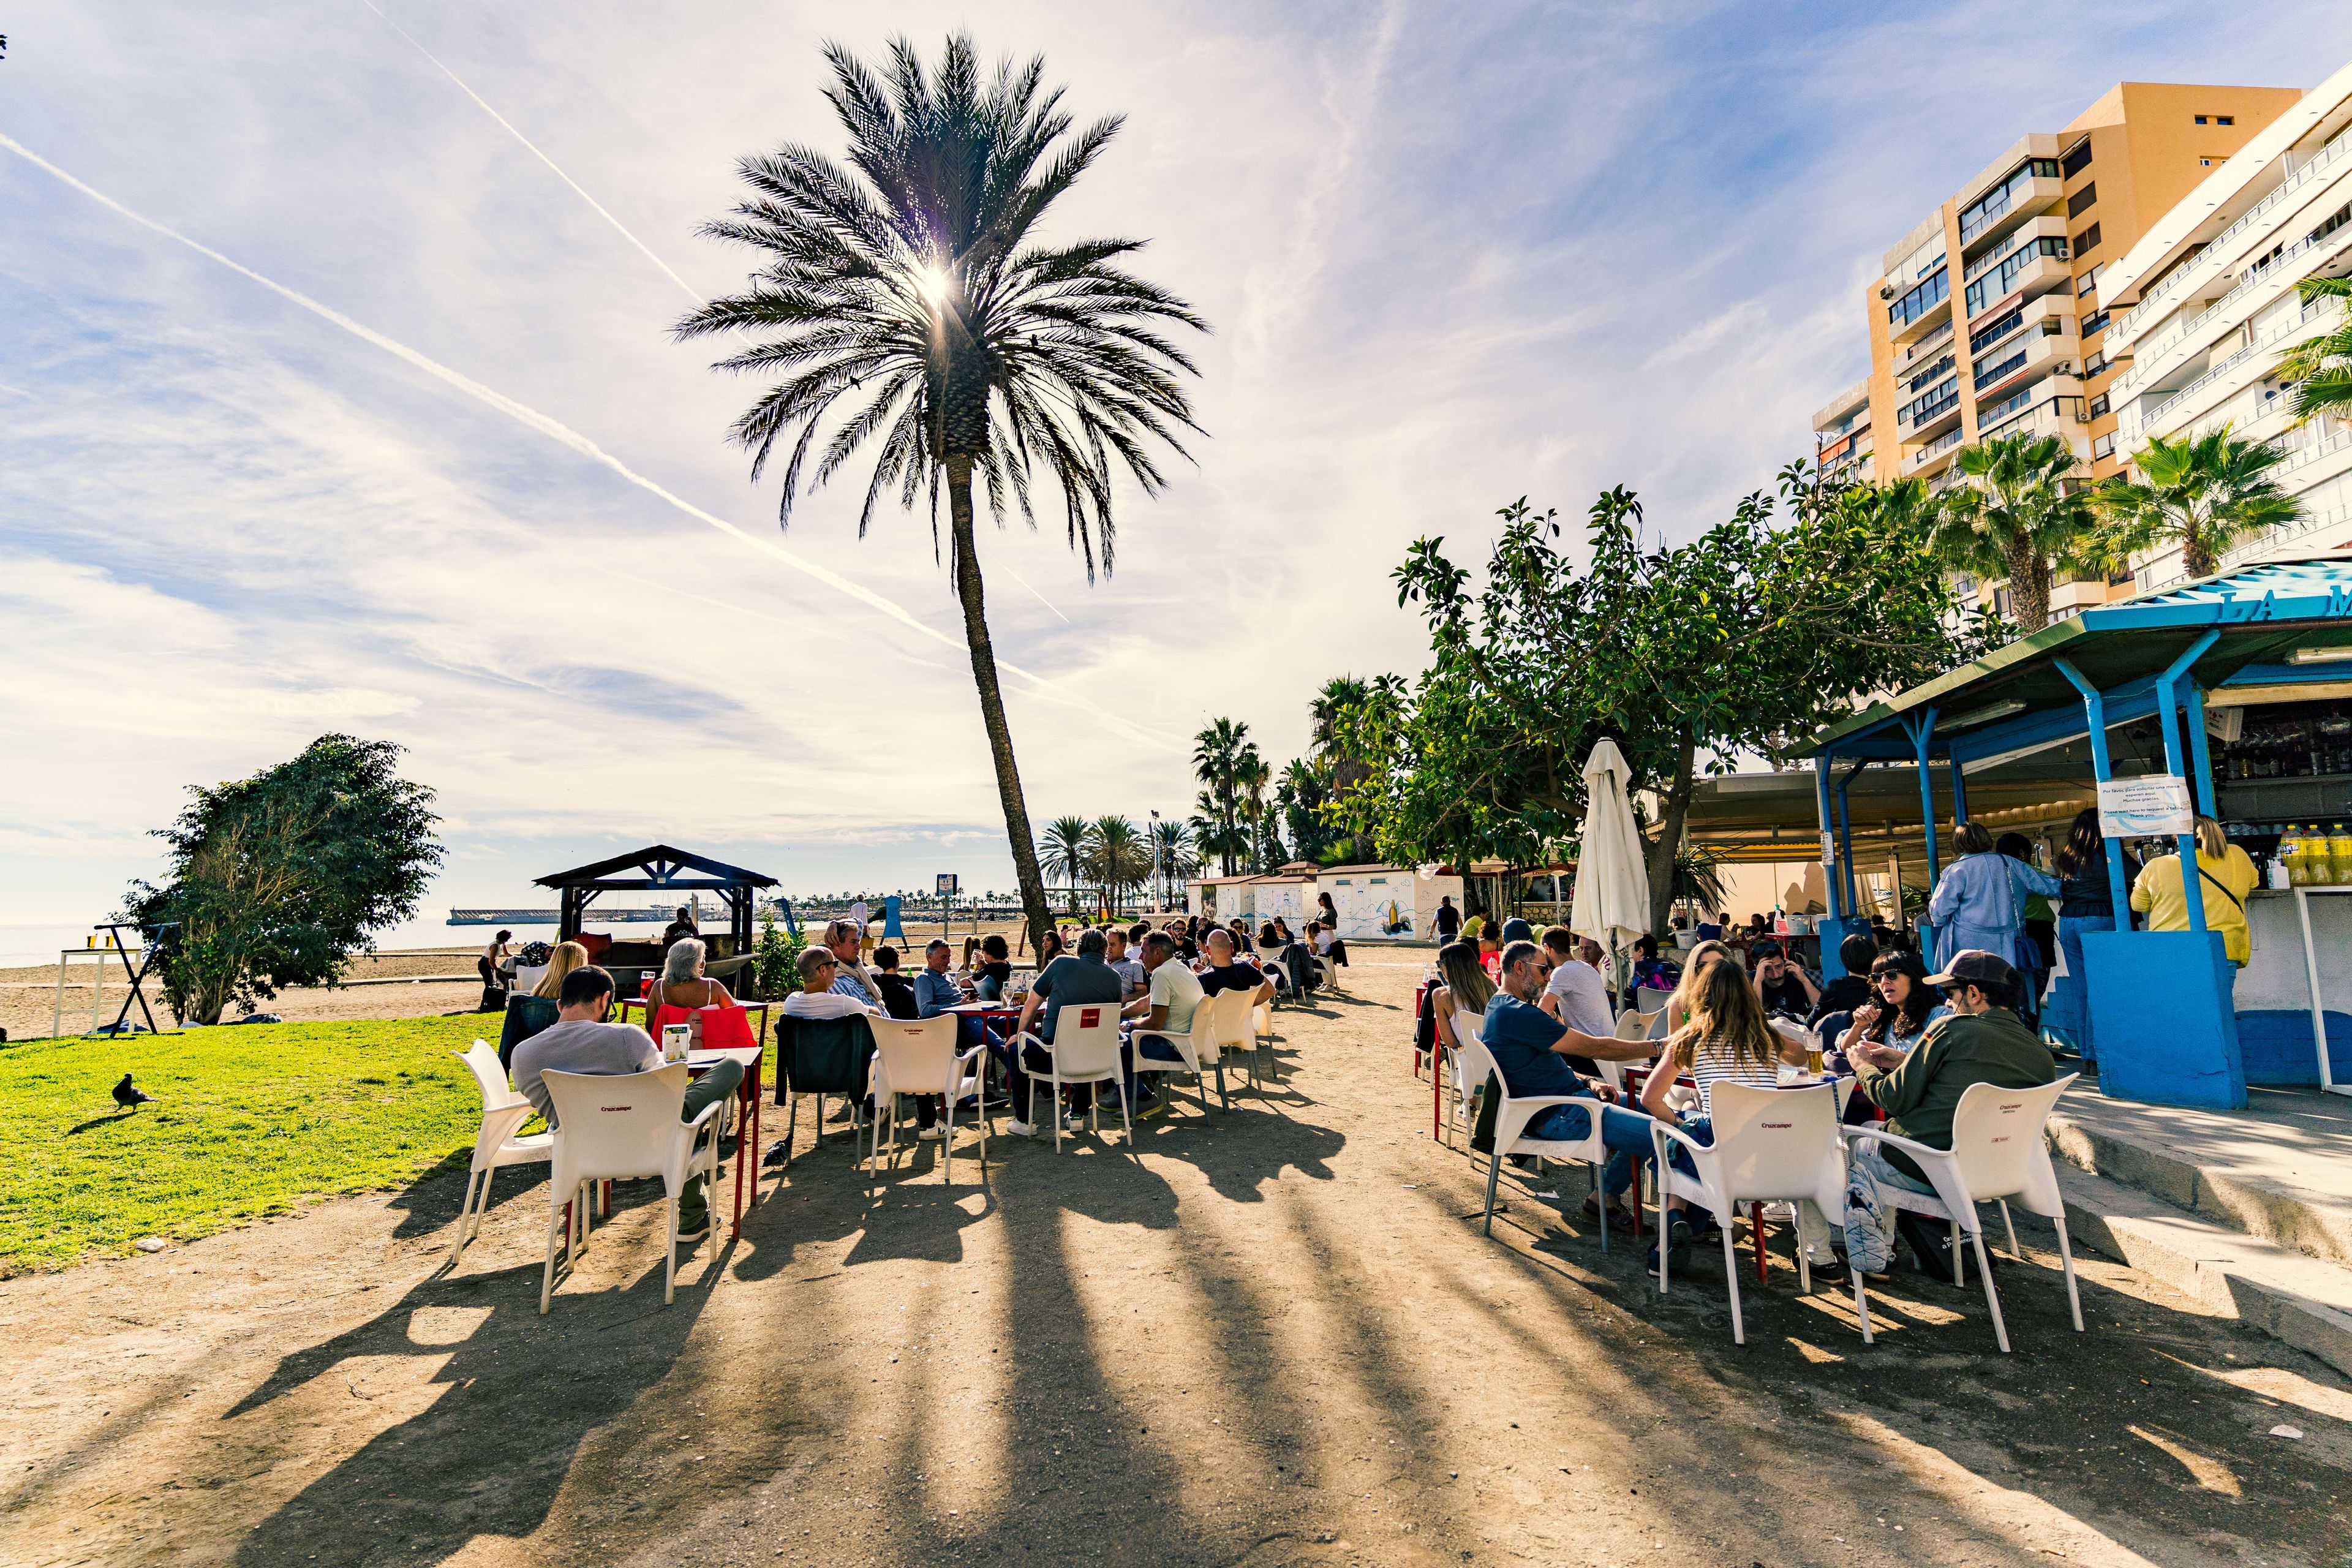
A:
x,y
1612,903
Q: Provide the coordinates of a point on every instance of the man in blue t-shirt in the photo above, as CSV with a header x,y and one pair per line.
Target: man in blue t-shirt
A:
x,y
1531,1048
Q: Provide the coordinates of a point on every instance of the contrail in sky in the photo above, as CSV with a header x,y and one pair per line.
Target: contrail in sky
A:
x,y
557,431
1034,594
618,227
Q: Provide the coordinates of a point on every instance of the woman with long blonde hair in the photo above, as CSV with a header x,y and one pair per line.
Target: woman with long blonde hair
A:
x,y
1725,1039
1703,957
565,957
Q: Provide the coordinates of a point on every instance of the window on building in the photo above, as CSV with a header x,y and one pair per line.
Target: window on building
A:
x,y
2082,199
2201,119
2077,158
2087,241
2204,162
2103,446
2225,120
2089,280
2095,323
2095,365
2098,405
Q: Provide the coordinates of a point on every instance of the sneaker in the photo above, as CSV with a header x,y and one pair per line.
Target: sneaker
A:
x,y
1019,1129
1678,1247
693,1230
930,1134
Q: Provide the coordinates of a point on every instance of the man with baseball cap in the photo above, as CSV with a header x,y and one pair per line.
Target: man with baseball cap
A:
x,y
1982,1042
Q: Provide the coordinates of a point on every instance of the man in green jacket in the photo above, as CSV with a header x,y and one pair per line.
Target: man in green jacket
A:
x,y
1982,1042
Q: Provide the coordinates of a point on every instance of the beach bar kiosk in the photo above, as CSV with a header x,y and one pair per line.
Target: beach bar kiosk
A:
x,y
2156,692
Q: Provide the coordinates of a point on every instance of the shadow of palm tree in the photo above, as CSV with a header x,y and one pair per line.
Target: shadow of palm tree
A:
x,y
487,1455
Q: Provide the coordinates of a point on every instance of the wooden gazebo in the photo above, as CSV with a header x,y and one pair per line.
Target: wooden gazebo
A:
x,y
658,868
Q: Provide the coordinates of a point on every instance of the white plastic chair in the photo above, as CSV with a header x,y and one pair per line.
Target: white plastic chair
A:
x,y
1513,1113
1649,999
1327,973
1235,1014
1997,1153
615,1126
1270,965
1770,1145
497,1145
1196,1053
1084,1049
918,1056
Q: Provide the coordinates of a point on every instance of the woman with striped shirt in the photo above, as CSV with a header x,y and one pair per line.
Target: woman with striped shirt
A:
x,y
1727,1040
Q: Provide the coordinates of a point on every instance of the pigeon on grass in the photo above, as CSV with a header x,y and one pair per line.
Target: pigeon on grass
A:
x,y
130,1096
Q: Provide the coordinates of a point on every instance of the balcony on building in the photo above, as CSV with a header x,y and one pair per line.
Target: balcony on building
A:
x,y
1843,415
2028,262
2031,187
1919,310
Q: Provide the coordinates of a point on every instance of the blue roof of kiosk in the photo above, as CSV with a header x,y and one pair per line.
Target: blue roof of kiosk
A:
x,y
2016,697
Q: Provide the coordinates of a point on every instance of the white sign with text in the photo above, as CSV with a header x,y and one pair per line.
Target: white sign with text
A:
x,y
2144,808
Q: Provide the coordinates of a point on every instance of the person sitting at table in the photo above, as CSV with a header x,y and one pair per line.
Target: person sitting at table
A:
x,y
1538,1055
1575,994
561,960
1462,991
897,990
1711,927
994,971
1069,981
1517,930
1123,964
846,940
1325,936
1650,973
1171,995
683,985
821,996
1782,987
1226,972
680,929
581,1040
1676,1014
1896,1017
1049,950
1490,949
1982,1042
1729,1040
1858,954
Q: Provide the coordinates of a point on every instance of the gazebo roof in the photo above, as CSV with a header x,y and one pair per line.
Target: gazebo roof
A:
x,y
2277,623
657,866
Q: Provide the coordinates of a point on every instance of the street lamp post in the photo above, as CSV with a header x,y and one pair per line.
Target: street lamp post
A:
x,y
1159,863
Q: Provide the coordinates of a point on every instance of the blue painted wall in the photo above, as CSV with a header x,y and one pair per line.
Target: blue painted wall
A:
x,y
2161,1007
2276,1046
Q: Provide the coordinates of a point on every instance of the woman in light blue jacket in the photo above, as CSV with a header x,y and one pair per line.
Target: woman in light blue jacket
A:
x,y
1981,902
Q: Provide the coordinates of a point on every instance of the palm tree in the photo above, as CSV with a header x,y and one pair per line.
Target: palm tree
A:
x,y
1172,852
904,300
1251,779
2203,493
2023,520
1118,857
1340,695
1217,835
2321,366
1065,850
1217,762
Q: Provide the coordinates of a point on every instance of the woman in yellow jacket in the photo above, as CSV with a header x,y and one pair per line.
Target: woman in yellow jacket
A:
x,y
2228,876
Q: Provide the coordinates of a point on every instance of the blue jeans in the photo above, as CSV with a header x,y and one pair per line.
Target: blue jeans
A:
x,y
2069,1011
1620,1169
1626,1131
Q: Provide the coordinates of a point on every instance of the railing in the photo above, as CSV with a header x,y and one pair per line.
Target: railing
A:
x,y
2224,366
2326,446
1935,448
1986,431
2181,274
1932,406
2251,277
2011,365
1989,418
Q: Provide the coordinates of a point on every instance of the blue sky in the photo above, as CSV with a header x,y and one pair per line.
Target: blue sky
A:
x,y
1453,254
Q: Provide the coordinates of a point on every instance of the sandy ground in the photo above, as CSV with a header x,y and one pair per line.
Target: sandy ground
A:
x,y
1271,1336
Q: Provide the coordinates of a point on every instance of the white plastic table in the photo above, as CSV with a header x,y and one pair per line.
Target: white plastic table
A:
x,y
2328,1083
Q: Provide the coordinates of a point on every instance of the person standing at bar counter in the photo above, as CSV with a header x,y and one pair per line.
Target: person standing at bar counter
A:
x,y
2086,902
2227,873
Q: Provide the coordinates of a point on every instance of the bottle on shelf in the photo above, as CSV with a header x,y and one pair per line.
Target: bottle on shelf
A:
x,y
2290,854
2339,855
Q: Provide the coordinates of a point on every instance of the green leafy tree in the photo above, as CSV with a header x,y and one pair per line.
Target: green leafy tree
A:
x,y
281,879
2025,519
1066,851
2199,493
1302,799
2321,365
1747,638
775,963
905,300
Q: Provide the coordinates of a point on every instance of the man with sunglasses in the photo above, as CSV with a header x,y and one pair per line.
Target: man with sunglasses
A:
x,y
1982,1042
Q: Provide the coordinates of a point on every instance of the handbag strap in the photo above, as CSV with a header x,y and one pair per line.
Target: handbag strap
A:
x,y
2235,902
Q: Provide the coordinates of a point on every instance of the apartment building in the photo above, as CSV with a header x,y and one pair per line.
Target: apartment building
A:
x,y
1990,317
2205,303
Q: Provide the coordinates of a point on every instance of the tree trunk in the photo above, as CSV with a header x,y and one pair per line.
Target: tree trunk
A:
x,y
2196,555
2029,591
1022,843
1676,803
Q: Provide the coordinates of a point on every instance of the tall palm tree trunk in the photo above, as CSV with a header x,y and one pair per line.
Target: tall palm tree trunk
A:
x,y
2029,589
992,703
2196,550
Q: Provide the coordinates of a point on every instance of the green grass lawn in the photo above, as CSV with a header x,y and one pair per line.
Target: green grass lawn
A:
x,y
251,1121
